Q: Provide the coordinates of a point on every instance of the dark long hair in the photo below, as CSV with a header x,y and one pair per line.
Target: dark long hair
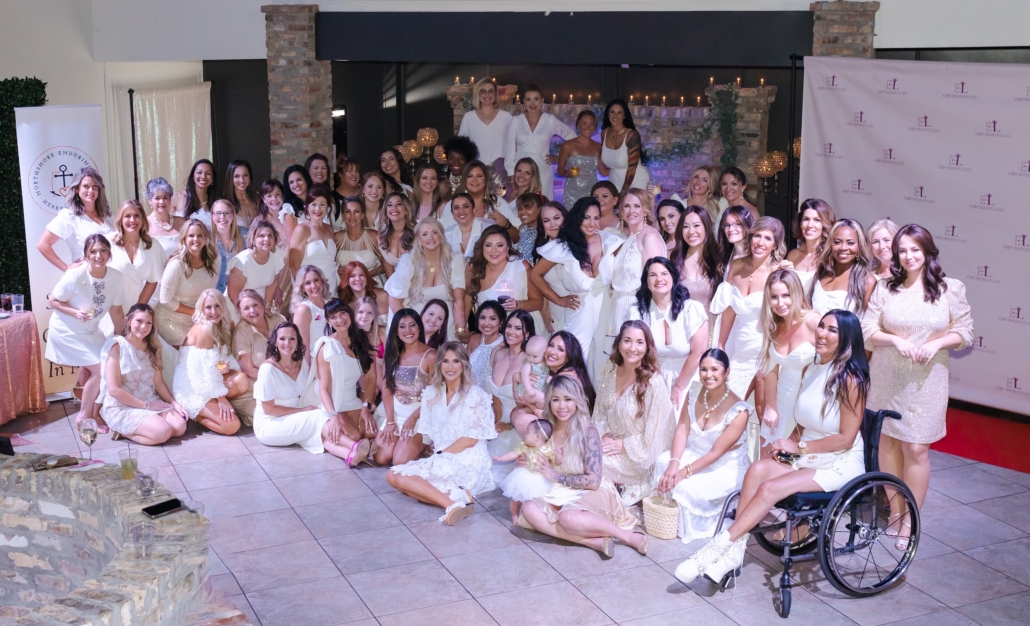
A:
x,y
676,204
849,365
933,274
192,202
575,362
725,247
359,343
627,121
528,326
571,235
439,337
680,293
541,236
402,169
718,355
648,366
710,259
479,262
395,347
230,187
272,350
291,198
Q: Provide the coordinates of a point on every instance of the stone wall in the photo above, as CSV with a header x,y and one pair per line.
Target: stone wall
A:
x,y
844,29
66,553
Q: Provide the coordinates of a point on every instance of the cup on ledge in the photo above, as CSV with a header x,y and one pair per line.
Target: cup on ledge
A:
x,y
129,460
146,481
143,540
17,302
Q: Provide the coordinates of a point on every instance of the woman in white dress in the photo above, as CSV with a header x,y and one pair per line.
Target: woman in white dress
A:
x,y
487,124
608,196
788,345
622,149
192,269
696,257
83,296
135,254
467,229
87,213
739,301
506,360
426,198
310,293
207,376
137,403
530,136
260,266
734,225
313,240
343,364
475,181
228,239
373,194
430,271
240,193
552,216
408,363
829,415
162,226
496,273
295,185
679,325
249,341
356,283
489,317
842,279
396,232
195,202
457,420
881,241
709,452
355,242
568,273
396,176
812,226
733,185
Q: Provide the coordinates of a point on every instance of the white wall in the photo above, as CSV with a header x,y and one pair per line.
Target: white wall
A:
x,y
183,30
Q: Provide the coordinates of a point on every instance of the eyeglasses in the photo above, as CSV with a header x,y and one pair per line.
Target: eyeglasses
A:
x,y
731,226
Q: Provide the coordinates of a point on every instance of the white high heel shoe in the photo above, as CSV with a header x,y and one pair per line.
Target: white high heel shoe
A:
x,y
696,565
729,563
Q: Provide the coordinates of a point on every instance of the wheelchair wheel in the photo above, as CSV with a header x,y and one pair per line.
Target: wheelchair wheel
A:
x,y
803,540
784,609
857,555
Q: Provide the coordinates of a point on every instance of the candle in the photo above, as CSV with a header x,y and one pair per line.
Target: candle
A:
x,y
738,81
516,98
570,98
472,79
699,101
494,79
663,100
711,80
589,99
554,98
681,100
457,81
631,99
761,82
647,101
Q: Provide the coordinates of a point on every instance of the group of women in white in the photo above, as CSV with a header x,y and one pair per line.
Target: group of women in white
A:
x,y
352,320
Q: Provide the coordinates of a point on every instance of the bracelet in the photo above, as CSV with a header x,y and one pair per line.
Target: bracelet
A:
x,y
460,329
146,405
689,472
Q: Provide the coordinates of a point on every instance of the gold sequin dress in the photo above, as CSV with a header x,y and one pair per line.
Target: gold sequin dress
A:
x,y
918,392
644,437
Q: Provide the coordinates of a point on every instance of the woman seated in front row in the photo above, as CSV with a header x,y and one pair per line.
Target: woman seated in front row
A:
x,y
207,376
828,414
249,340
136,401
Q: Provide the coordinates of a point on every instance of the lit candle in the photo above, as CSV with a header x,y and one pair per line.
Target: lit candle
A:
x,y
589,99
738,81
570,98
457,81
663,100
472,80
711,80
647,101
631,99
494,79
699,101
761,82
681,100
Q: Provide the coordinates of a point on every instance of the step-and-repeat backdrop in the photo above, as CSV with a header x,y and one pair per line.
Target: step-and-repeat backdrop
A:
x,y
947,146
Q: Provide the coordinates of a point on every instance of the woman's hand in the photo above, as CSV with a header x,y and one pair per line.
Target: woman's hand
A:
x,y
335,429
676,393
510,304
159,405
785,445
612,446
501,427
225,410
568,302
181,411
388,435
906,349
786,265
83,315
408,430
368,422
925,353
548,320
670,478
771,417
522,461
543,467
463,336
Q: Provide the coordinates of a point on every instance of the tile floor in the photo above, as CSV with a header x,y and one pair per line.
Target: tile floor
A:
x,y
301,539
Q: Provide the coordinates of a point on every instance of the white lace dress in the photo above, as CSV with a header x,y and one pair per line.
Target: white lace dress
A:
x,y
197,379
303,428
137,380
469,416
322,254
745,340
700,497
788,383
479,362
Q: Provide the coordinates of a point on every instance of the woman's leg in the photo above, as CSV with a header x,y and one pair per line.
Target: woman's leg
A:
x,y
176,422
384,455
892,461
591,525
419,488
343,448
917,469
153,431
237,383
210,418
782,482
408,449
90,391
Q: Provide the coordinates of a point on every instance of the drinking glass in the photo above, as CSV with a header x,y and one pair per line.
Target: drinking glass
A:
x,y
88,434
5,301
129,459
196,507
17,302
574,171
146,481
143,540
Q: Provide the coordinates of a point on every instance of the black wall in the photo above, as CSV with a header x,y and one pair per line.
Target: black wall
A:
x,y
239,115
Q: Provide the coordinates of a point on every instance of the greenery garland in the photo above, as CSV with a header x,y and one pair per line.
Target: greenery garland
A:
x,y
14,264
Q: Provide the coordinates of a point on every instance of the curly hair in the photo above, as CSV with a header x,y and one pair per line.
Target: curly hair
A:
x,y
387,229
272,350
359,343
680,293
220,330
933,274
709,261
299,295
648,365
478,263
463,146
571,234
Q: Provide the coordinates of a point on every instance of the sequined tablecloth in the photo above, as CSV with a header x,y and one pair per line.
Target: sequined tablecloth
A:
x,y
21,368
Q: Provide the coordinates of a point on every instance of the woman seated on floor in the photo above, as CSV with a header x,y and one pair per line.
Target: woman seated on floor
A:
x,y
248,345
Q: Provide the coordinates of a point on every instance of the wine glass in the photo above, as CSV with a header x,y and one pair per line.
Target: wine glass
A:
x,y
88,434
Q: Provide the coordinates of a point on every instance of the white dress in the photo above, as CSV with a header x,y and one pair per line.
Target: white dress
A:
x,y
453,236
258,276
617,162
363,250
346,372
74,229
323,256
137,380
168,243
469,416
479,363
513,282
819,423
147,267
502,207
399,286
825,301
568,278
700,497
624,267
673,345
788,384
745,339
535,144
71,341
489,138
316,328
197,379
303,428
806,279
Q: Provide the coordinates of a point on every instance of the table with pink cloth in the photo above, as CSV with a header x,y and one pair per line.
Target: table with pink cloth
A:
x,y
21,368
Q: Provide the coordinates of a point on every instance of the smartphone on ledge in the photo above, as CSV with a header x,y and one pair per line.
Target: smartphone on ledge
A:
x,y
161,509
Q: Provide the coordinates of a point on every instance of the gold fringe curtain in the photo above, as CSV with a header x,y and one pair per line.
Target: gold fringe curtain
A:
x,y
173,130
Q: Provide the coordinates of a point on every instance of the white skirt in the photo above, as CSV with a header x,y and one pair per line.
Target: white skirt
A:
x,y
522,485
304,429
65,347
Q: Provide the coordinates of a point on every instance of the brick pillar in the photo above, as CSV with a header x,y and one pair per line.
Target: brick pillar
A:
x,y
300,87
844,29
752,130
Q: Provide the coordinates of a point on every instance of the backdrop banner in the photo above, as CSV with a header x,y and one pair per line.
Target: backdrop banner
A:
x,y
54,142
944,145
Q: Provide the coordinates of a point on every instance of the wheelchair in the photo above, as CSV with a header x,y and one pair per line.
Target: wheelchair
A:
x,y
846,530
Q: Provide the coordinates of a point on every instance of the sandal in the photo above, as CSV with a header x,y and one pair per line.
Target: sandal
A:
x,y
459,510
901,543
645,544
607,550
358,452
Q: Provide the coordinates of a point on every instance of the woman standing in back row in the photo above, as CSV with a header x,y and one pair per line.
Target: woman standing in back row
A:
x,y
622,149
487,124
530,136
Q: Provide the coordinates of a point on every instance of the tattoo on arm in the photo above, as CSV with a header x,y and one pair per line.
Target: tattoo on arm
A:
x,y
592,463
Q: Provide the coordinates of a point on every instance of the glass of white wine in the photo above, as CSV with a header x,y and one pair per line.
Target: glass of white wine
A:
x,y
88,434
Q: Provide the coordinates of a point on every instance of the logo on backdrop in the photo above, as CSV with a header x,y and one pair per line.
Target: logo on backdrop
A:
x,y
923,125
956,163
830,151
1021,243
985,274
1016,386
1025,98
1023,171
51,173
980,345
987,202
860,119
890,157
859,187
962,91
831,83
920,194
951,234
892,88
992,129
1016,315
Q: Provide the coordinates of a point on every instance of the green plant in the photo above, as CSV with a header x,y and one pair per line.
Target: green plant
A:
x,y
724,110
14,263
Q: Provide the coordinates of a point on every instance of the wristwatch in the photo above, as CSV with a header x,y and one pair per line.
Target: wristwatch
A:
x,y
369,406
802,446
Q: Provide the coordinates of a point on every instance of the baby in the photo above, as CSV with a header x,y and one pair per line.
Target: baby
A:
x,y
525,483
527,394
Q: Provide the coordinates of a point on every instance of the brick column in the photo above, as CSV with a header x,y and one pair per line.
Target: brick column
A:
x,y
844,29
300,87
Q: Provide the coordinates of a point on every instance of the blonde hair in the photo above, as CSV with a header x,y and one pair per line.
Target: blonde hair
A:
x,y
421,264
711,204
891,227
478,87
234,228
646,201
376,329
535,186
299,295
436,379
579,425
769,321
209,254
775,227
221,331
119,235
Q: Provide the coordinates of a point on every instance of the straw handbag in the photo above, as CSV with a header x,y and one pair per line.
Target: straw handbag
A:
x,y
661,517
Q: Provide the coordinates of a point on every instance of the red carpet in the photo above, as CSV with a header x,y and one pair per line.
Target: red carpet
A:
x,y
987,439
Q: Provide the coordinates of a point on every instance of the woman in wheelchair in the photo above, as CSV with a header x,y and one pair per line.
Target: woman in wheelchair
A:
x,y
824,452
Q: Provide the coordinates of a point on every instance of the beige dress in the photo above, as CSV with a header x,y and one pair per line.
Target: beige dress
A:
x,y
176,289
644,437
918,392
248,340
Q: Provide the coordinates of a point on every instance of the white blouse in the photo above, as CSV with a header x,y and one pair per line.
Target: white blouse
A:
x,y
74,229
258,276
453,235
489,138
502,207
147,267
522,141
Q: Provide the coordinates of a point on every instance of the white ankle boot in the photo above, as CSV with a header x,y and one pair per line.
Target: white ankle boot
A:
x,y
730,560
696,565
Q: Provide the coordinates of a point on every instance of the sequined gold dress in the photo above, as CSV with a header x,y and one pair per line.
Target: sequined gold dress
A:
x,y
918,392
178,288
644,437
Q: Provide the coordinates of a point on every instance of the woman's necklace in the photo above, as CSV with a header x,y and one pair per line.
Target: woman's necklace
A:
x,y
709,410
164,225
286,368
